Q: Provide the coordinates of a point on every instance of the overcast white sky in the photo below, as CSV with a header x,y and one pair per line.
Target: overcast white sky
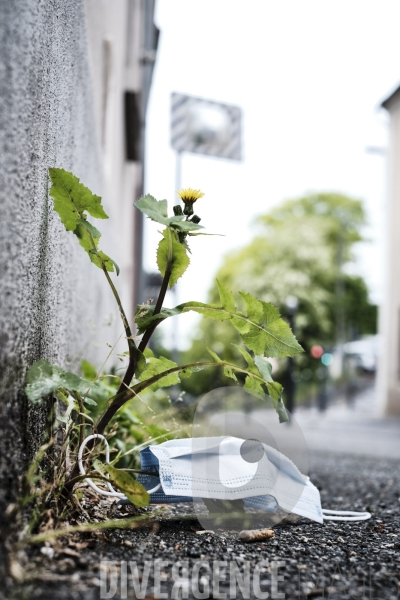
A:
x,y
309,76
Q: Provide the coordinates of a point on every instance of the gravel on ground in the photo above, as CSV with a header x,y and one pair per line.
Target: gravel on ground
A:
x,y
336,560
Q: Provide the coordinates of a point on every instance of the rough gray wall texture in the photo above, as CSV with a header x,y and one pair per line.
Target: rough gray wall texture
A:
x,y
46,119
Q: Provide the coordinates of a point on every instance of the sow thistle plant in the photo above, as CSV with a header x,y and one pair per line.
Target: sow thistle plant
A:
x,y
262,331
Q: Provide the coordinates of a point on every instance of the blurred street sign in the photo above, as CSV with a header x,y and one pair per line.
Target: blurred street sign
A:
x,y
206,127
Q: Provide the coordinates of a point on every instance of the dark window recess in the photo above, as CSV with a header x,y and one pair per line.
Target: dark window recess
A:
x,y
132,126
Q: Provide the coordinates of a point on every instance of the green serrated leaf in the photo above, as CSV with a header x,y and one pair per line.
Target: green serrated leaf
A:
x,y
117,269
248,358
86,240
155,366
264,367
281,410
140,359
254,307
101,258
211,311
226,297
253,384
171,250
259,366
156,210
144,316
40,369
267,334
274,390
261,327
91,229
72,198
132,489
229,372
214,355
44,378
180,224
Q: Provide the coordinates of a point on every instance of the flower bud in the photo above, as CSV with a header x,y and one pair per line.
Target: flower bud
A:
x,y
195,219
177,210
188,210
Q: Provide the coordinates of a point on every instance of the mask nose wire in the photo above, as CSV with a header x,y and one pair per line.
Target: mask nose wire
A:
x,y
94,487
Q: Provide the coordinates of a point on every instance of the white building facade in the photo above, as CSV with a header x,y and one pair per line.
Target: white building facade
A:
x,y
389,363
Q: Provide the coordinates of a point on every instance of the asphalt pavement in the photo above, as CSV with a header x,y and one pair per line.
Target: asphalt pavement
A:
x,y
354,428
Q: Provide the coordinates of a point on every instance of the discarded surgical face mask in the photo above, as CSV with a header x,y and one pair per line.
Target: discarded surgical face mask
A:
x,y
238,481
244,469
227,469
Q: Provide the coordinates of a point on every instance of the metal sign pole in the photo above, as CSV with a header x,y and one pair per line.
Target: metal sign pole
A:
x,y
205,127
178,171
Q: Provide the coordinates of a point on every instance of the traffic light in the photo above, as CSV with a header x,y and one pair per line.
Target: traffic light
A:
x,y
316,351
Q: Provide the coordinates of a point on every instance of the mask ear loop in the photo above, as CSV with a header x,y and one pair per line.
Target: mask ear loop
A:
x,y
345,515
82,471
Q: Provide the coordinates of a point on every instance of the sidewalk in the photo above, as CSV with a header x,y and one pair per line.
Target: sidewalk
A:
x,y
351,429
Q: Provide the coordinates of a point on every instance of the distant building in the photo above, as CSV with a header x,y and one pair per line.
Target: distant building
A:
x,y
122,43
389,363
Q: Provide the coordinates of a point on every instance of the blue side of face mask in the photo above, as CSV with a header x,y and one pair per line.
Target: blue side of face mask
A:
x,y
149,462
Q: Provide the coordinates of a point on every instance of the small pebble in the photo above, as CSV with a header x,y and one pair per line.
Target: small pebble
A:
x,y
47,551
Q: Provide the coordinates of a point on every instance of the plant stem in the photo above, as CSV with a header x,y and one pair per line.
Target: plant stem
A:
x,y
160,300
128,331
130,371
120,399
163,290
150,330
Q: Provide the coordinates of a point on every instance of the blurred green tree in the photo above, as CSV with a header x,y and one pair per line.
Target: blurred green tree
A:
x,y
302,249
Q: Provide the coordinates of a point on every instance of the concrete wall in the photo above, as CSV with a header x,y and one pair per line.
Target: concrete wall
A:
x,y
61,104
389,364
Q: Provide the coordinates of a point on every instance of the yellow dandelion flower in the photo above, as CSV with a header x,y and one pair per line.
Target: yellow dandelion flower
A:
x,y
189,195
